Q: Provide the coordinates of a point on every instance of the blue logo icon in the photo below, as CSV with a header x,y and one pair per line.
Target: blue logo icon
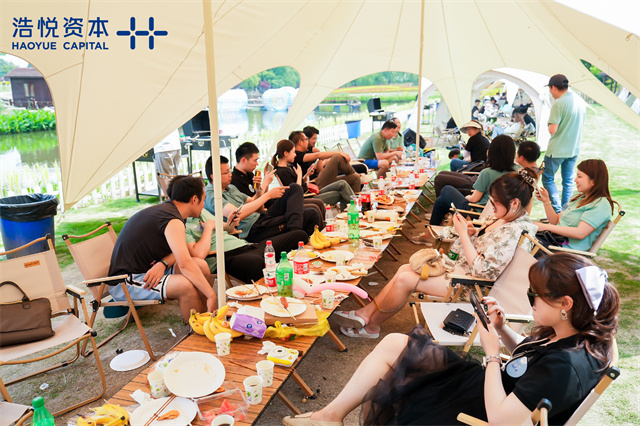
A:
x,y
133,33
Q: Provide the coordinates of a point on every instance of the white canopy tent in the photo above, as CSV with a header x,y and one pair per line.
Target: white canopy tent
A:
x,y
113,105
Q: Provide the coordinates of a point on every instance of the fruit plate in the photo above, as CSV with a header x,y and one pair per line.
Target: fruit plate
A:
x,y
330,256
274,307
187,408
246,293
194,374
311,253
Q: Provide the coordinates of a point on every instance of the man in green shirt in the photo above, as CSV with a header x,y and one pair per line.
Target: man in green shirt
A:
x,y
396,143
375,151
565,126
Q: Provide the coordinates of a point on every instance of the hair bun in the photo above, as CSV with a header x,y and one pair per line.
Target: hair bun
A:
x,y
526,175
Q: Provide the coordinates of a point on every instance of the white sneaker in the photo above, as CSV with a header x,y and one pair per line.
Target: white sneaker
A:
x,y
365,179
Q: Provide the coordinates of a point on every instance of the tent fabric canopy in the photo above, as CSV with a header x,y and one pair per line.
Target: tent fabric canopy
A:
x,y
112,105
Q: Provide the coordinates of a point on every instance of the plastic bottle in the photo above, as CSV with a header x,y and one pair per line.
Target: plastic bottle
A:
x,y
270,264
284,277
454,251
353,222
329,220
301,262
394,169
381,185
41,416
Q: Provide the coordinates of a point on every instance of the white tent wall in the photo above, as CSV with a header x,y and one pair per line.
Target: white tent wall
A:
x,y
113,105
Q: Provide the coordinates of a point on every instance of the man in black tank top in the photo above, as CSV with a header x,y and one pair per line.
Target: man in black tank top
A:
x,y
151,248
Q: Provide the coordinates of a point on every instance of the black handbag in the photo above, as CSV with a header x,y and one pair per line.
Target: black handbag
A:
x,y
24,321
548,238
458,322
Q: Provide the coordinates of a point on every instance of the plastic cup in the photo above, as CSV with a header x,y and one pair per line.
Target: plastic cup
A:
x,y
156,383
253,389
223,343
371,216
340,260
223,420
328,298
330,276
377,243
265,370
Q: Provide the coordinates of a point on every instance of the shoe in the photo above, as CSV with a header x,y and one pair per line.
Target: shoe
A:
x,y
349,318
305,420
427,238
358,332
427,216
365,179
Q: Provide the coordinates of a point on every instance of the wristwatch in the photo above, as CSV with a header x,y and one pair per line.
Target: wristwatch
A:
x,y
491,358
164,262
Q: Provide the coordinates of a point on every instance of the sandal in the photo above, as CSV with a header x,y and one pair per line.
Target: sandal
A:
x,y
349,318
305,420
428,237
358,332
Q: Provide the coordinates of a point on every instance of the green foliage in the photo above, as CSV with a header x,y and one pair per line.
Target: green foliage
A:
x,y
387,77
20,121
273,78
6,66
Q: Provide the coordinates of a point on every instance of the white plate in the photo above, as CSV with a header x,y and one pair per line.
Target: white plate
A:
x,y
344,273
129,360
343,215
366,234
393,199
188,410
194,374
273,307
328,256
236,292
382,225
313,255
335,234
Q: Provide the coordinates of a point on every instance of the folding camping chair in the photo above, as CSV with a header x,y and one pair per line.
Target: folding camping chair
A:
x,y
93,258
38,275
510,289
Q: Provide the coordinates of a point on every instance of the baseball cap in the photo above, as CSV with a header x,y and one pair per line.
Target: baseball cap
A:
x,y
558,80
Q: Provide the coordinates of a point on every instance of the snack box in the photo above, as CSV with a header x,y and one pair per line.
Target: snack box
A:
x,y
232,395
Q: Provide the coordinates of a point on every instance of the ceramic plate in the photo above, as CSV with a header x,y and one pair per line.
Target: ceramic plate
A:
x,y
246,293
129,360
329,256
143,414
194,374
273,307
311,253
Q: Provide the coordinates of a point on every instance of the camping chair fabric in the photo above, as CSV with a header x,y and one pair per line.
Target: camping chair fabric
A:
x,y
39,276
593,250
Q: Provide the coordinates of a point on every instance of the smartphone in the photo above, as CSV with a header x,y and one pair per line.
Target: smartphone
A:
x,y
231,218
455,209
268,168
478,306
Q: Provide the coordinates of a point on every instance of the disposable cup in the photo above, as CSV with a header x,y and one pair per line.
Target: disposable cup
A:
x,y
377,243
156,383
269,277
330,276
371,215
265,370
223,420
328,298
340,260
253,389
223,343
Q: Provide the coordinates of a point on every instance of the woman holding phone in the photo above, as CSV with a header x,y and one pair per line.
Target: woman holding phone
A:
x,y
409,380
483,253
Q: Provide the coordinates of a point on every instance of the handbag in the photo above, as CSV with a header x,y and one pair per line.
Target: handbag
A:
x,y
24,321
430,258
548,238
458,322
313,188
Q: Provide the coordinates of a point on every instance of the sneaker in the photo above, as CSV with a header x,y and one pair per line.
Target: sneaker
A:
x,y
365,179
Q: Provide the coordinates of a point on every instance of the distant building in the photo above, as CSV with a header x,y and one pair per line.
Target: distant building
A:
x,y
29,89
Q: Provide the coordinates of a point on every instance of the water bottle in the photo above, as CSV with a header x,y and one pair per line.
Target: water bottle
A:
x,y
381,185
284,277
329,220
301,262
394,169
270,264
353,222
432,161
41,416
454,251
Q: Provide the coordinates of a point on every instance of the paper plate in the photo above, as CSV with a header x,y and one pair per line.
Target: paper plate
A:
x,y
312,254
344,273
188,410
271,306
129,360
330,256
243,293
369,234
382,225
336,234
392,198
194,374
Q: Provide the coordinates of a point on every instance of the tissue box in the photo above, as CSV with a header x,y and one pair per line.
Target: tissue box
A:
x,y
249,325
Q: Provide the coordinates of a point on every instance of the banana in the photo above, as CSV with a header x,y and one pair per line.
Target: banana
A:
x,y
224,327
82,422
336,240
202,318
219,324
211,335
321,238
318,245
195,324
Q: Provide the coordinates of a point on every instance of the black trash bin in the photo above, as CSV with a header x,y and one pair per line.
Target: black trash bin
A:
x,y
24,218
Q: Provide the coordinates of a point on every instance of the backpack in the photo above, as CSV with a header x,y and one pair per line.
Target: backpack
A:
x,y
410,139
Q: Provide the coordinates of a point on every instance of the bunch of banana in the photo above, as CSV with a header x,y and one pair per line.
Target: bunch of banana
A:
x,y
196,321
219,324
107,415
319,241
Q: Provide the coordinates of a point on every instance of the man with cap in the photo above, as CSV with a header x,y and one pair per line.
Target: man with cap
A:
x,y
476,146
565,126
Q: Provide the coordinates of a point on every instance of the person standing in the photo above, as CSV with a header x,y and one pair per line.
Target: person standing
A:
x,y
166,158
566,120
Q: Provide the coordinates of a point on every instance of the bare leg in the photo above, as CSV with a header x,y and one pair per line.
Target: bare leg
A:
x,y
179,287
383,168
373,368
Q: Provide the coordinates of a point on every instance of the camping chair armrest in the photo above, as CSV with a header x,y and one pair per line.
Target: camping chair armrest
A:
x,y
523,319
75,292
468,212
470,420
568,250
470,281
116,279
476,206
309,195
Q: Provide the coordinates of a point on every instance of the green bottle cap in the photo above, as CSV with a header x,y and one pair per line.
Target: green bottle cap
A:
x,y
353,202
283,255
37,402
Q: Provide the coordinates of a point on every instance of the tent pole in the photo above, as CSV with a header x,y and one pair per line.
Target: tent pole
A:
x,y
420,82
215,147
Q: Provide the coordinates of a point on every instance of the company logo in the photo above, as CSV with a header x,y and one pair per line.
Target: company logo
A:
x,y
72,33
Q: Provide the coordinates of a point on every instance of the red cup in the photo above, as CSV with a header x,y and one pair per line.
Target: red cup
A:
x,y
412,186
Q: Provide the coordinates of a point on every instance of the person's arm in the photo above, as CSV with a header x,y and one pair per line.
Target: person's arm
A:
x,y
462,228
175,235
389,155
509,338
202,247
543,195
298,171
579,232
475,196
553,128
313,156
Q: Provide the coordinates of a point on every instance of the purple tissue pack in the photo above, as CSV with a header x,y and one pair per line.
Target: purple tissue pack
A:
x,y
249,325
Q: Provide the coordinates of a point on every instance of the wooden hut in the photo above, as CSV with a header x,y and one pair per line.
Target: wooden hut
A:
x,y
29,89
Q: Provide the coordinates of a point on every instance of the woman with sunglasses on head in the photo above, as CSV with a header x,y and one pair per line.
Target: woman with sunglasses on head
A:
x,y
483,253
411,380
587,214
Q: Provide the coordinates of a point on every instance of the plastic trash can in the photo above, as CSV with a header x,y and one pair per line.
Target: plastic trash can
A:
x,y
353,129
24,218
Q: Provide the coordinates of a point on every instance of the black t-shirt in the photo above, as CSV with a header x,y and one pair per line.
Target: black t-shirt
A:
x,y
300,160
528,120
141,241
244,182
288,176
477,146
555,371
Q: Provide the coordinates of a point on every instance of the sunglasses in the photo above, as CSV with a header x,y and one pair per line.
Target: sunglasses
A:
x,y
532,296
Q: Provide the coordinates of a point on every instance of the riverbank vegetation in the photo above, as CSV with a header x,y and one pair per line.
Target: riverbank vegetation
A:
x,y
25,120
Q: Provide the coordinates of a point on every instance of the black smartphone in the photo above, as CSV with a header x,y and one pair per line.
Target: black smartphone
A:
x,y
479,308
233,215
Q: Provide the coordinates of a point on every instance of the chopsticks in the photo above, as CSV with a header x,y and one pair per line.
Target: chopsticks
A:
x,y
157,413
280,303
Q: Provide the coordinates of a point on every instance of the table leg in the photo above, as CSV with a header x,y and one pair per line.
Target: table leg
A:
x,y
337,341
380,272
395,248
391,254
288,403
416,217
305,388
